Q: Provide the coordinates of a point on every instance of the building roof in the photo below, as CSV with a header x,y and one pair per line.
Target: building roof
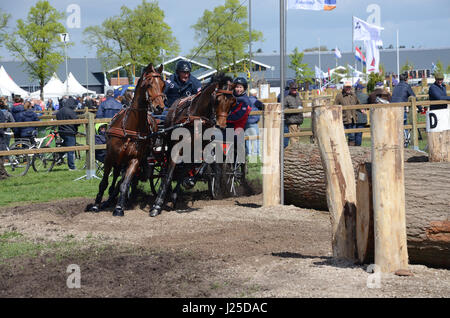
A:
x,y
77,66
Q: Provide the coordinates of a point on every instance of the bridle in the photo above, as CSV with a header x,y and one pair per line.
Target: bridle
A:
x,y
151,99
220,92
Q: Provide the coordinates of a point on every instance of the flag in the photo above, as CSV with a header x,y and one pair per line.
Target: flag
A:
x,y
359,56
363,31
337,53
433,67
319,73
316,5
373,57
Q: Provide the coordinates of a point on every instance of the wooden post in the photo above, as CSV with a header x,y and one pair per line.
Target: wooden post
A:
x,y
388,188
271,155
90,141
340,177
414,130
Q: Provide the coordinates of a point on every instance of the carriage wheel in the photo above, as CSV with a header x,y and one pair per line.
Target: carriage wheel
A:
x,y
155,177
234,177
214,173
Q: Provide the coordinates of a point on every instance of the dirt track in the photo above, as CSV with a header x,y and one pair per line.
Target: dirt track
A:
x,y
228,248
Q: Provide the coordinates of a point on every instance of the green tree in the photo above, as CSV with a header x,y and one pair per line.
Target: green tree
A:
x,y
439,67
448,69
302,71
4,18
132,38
407,67
373,79
223,36
37,43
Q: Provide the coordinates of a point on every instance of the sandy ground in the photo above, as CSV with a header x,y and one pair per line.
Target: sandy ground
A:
x,y
229,248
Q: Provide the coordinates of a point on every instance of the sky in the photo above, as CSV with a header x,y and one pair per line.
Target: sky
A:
x,y
421,23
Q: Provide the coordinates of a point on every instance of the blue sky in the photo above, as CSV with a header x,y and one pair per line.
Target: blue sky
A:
x,y
421,23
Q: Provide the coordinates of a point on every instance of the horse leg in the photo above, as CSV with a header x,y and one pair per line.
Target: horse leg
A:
x,y
102,187
113,189
157,205
124,187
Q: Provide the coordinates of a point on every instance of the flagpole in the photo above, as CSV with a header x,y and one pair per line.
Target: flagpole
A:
x,y
398,60
353,41
282,66
320,67
250,42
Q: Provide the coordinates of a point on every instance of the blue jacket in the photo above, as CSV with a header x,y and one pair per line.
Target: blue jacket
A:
x,y
21,115
109,108
2,132
255,104
437,92
176,89
238,115
401,92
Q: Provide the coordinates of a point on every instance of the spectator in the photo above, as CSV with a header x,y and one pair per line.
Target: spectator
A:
x,y
109,107
24,113
361,116
89,102
100,139
401,94
293,121
251,127
438,91
68,132
3,173
379,92
349,117
9,118
181,84
238,114
50,105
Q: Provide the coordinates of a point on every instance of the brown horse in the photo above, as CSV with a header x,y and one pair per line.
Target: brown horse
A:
x,y
208,108
130,137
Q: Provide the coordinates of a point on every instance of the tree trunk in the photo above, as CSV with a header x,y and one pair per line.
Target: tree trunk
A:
x,y
304,177
439,146
388,188
427,214
340,176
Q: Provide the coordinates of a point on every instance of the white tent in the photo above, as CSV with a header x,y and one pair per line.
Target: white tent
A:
x,y
74,87
53,89
7,84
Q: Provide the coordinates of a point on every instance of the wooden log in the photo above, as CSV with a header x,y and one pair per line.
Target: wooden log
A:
x,y
271,155
304,177
340,178
427,214
439,146
391,253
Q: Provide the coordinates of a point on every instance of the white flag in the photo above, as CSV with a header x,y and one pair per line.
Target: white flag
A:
x,y
363,31
337,53
319,73
372,57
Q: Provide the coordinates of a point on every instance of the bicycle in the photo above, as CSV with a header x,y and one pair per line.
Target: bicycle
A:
x,y
17,165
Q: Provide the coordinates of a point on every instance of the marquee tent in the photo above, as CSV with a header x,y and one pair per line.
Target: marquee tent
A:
x,y
53,89
8,85
74,87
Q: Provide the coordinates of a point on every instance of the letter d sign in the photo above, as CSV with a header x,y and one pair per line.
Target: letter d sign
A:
x,y
433,120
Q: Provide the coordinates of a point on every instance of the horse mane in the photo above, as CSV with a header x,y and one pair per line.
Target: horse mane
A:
x,y
221,79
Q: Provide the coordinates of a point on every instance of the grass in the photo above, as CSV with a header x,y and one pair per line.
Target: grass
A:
x,y
14,244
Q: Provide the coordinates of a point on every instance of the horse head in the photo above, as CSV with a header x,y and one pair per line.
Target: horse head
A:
x,y
153,84
223,98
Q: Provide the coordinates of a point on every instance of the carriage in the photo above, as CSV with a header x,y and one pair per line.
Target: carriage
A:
x,y
138,148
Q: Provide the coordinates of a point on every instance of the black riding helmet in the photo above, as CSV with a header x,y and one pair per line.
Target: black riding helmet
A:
x,y
242,81
183,66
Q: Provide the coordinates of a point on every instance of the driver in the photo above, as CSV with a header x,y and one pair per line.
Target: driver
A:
x,y
181,84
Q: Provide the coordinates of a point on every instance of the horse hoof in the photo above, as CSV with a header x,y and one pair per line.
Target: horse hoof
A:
x,y
118,212
155,211
95,209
